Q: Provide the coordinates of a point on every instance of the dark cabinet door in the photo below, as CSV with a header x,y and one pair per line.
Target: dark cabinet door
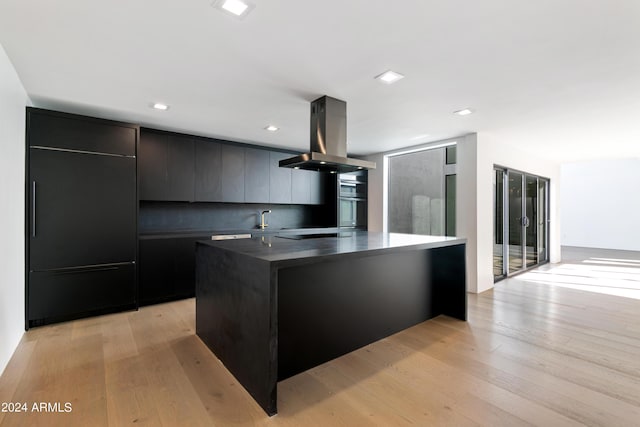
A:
x,y
167,269
185,266
51,129
232,173
256,176
279,179
82,209
73,293
166,167
208,171
180,165
155,264
317,188
152,165
301,186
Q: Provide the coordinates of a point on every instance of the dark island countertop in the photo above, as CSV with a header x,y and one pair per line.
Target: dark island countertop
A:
x,y
291,248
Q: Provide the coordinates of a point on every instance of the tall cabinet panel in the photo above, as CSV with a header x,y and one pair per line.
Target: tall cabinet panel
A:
x,y
279,179
301,186
232,173
81,216
152,165
166,167
180,157
256,178
208,173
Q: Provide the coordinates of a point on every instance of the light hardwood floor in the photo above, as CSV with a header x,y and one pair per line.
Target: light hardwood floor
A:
x,y
532,353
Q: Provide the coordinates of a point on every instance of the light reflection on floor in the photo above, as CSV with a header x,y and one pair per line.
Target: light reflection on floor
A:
x,y
612,276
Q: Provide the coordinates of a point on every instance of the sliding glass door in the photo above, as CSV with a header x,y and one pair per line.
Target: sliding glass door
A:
x,y
521,220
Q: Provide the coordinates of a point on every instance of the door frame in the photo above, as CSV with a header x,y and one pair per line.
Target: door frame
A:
x,y
505,220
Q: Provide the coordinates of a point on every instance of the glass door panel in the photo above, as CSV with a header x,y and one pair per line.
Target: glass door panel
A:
x,y
514,198
530,221
498,224
521,222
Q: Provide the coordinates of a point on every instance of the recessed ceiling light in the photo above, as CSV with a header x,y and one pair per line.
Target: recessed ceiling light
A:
x,y
389,77
272,128
417,137
464,112
237,8
159,106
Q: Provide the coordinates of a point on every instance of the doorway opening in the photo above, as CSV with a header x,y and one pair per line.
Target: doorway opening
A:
x,y
521,222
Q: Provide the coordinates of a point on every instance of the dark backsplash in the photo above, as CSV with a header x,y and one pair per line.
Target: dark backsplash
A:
x,y
178,216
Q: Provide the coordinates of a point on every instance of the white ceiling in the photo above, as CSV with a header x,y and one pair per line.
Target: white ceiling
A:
x,y
558,77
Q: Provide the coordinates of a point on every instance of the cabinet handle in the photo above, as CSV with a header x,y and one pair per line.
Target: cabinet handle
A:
x,y
33,208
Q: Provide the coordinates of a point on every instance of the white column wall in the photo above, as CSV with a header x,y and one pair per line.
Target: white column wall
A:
x,y
13,100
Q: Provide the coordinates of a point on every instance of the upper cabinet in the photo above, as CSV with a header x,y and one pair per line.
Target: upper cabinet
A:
x,y
166,166
175,167
208,171
256,175
232,173
85,134
301,186
279,179
317,188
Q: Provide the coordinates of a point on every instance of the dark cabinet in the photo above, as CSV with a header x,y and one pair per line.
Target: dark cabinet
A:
x,y
279,179
167,268
81,216
256,175
174,167
166,167
208,171
58,295
317,188
83,209
301,186
232,173
80,133
307,187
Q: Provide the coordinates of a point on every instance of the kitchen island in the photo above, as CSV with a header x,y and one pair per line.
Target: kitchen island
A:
x,y
274,306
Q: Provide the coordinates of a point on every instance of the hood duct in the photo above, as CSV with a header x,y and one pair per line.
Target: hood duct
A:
x,y
328,144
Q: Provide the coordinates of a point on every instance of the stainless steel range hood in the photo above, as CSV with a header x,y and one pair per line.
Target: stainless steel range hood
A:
x,y
328,149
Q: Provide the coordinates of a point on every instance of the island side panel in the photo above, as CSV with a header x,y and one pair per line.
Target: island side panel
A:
x,y
449,278
233,318
337,305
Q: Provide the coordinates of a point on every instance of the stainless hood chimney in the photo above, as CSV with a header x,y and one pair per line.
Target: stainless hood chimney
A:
x,y
328,149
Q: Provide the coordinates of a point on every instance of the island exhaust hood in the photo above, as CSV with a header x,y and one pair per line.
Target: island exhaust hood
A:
x,y
328,150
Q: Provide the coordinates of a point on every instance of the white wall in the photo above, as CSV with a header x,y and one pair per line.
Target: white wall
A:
x,y
600,204
476,157
489,153
13,100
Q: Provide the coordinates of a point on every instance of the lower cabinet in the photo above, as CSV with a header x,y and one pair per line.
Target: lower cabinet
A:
x,y
167,268
73,293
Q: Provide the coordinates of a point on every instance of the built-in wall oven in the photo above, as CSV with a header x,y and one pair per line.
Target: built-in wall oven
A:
x,y
352,209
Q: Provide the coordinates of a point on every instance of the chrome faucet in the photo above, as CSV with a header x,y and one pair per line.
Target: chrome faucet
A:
x,y
264,225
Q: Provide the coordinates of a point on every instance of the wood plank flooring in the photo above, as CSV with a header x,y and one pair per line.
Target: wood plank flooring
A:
x,y
532,353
